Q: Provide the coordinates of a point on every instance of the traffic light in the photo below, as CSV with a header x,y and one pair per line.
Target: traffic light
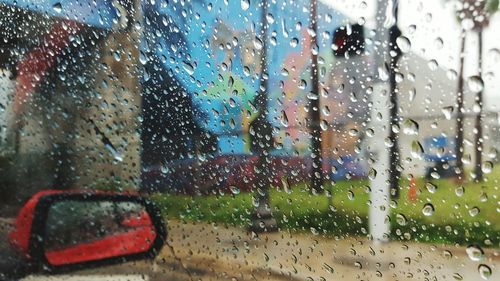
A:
x,y
349,39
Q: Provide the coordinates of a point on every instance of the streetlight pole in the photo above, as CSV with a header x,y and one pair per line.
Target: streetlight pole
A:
x,y
314,106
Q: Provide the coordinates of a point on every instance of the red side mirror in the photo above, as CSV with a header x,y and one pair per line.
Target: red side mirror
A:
x,y
73,229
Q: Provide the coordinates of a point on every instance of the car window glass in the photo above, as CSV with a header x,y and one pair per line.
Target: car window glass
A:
x,y
306,139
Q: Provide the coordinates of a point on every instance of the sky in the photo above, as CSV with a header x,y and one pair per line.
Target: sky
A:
x,y
434,33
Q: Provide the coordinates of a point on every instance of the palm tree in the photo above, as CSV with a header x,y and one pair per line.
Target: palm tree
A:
x,y
477,15
460,100
485,9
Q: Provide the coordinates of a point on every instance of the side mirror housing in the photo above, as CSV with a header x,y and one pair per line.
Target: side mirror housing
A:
x,y
61,230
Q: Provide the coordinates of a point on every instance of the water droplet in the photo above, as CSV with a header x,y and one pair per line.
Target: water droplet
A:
x,y
372,174
388,142
324,125
435,175
284,119
245,4
412,94
350,195
459,191
188,67
57,7
451,74
117,56
438,42
428,210
270,18
447,111
447,254
390,18
484,271
353,132
284,28
383,72
143,59
234,189
370,132
483,197
314,231
328,268
487,167
410,127
412,28
257,43
431,187
164,169
286,185
494,54
475,83
399,77
417,150
116,155
433,65
401,219
474,211
403,43
326,110
457,276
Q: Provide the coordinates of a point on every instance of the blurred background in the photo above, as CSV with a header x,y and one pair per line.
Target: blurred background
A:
x,y
374,119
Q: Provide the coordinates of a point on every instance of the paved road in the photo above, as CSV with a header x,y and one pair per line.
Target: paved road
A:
x,y
215,252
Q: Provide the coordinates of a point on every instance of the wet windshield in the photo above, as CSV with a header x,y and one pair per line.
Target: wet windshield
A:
x,y
281,140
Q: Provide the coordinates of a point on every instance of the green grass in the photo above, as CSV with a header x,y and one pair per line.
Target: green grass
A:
x,y
299,210
452,220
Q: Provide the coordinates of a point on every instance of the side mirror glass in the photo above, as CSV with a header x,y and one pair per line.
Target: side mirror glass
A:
x,y
72,229
80,231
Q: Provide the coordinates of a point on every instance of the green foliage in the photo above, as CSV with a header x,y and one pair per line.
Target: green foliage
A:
x,y
492,6
299,210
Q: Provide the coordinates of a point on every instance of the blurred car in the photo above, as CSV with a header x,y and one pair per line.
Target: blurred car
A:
x,y
439,156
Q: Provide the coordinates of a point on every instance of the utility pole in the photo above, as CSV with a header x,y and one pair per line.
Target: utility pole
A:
x,y
383,119
314,106
262,141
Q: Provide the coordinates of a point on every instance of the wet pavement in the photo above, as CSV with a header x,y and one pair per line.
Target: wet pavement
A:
x,y
216,252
